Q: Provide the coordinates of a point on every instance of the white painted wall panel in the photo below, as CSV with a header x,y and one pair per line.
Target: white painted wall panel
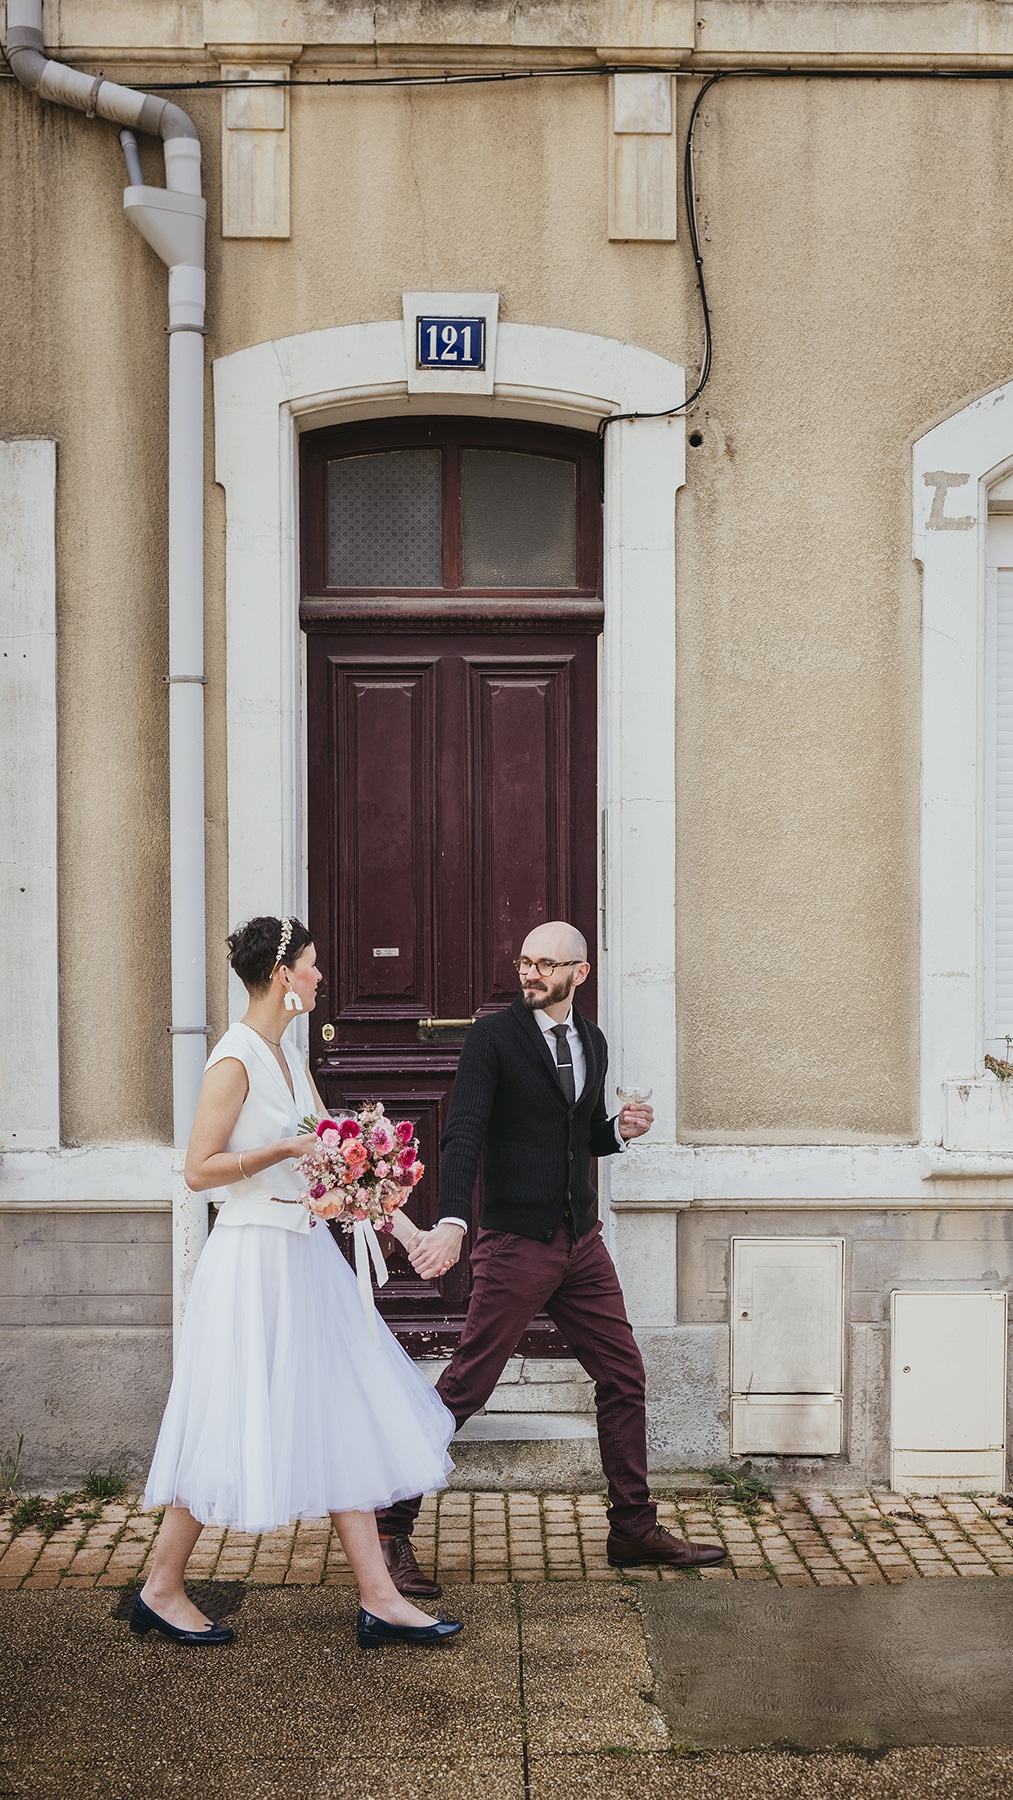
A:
x,y
29,1043
949,1372
999,786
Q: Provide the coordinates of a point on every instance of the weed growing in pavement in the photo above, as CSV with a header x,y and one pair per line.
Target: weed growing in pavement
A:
x,y
27,1512
107,1484
44,1514
743,1488
10,1469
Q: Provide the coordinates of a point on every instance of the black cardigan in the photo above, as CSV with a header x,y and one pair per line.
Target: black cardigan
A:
x,y
536,1150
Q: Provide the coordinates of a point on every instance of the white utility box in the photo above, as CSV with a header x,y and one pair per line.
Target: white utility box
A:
x,y
787,1346
948,1392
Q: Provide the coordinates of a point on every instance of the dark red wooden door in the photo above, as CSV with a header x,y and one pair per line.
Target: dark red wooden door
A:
x,y
452,805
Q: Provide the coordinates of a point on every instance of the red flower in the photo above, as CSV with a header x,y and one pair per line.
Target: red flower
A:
x,y
405,1159
404,1132
349,1128
326,1125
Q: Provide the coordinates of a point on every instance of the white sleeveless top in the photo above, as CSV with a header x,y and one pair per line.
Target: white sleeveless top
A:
x,y
268,1112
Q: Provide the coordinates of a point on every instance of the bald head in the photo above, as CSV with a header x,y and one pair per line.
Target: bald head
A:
x,y
557,939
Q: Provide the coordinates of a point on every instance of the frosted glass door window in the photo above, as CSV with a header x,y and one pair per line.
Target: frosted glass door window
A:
x,y
519,520
385,520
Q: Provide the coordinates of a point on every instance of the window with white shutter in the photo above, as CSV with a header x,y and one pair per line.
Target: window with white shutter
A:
x,y
999,776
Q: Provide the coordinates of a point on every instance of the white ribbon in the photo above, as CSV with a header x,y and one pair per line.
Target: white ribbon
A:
x,y
366,1247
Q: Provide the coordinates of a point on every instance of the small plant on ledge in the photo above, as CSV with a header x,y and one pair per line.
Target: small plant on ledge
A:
x,y
1001,1067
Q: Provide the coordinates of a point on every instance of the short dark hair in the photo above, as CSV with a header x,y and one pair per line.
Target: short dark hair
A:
x,y
253,949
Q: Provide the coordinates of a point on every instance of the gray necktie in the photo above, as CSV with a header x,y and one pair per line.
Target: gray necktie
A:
x,y
564,1064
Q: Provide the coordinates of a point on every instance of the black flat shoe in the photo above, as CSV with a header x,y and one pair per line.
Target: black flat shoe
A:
x,y
142,1619
372,1632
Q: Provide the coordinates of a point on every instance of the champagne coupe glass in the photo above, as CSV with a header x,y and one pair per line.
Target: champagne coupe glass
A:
x,y
629,1095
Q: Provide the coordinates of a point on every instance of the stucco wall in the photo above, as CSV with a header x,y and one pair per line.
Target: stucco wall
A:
x,y
857,258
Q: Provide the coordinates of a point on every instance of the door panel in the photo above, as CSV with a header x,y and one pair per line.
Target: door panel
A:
x,y
520,726
452,807
384,829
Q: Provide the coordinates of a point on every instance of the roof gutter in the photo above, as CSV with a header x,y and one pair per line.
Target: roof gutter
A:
x,y
172,221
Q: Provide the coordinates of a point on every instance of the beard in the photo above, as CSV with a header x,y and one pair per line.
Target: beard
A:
x,y
546,994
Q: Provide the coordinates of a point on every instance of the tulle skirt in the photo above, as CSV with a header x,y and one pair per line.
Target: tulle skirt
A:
x,y
282,1406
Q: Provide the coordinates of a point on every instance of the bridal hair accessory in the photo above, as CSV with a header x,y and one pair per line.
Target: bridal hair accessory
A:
x,y
359,1171
286,938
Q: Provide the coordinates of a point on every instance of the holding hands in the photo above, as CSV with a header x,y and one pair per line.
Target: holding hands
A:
x,y
431,1253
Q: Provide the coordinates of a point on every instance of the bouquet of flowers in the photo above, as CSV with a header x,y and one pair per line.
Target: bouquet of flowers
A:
x,y
359,1169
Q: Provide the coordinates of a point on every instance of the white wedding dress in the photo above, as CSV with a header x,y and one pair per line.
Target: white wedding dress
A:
x,y
283,1405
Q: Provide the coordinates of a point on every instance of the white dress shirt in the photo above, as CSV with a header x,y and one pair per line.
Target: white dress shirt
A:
x,y
579,1061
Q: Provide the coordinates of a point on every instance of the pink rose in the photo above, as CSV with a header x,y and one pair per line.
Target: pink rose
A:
x,y
329,1137
356,1155
325,1125
382,1170
404,1132
381,1140
350,1128
405,1159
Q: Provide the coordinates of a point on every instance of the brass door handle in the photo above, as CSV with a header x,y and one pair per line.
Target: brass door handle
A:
x,y
430,1028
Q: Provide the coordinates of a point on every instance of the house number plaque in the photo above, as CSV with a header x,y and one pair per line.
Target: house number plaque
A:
x,y
449,343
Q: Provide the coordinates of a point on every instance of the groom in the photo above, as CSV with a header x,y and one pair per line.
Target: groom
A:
x,y
529,1101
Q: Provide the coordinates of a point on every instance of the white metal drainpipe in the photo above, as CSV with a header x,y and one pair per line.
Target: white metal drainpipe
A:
x,y
171,219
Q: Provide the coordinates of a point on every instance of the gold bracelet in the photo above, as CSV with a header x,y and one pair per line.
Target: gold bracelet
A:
x,y
410,1245
242,1171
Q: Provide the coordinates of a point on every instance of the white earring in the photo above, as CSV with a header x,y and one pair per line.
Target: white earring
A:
x,y
292,1001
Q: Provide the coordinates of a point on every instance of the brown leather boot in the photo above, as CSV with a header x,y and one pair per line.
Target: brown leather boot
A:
x,y
405,1572
659,1546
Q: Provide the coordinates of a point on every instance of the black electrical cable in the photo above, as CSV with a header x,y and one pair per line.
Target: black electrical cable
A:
x,y
689,190
588,71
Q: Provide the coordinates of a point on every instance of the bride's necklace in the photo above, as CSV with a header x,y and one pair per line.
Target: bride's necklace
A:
x,y
267,1040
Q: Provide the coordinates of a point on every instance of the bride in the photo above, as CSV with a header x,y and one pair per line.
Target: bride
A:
x,y
283,1405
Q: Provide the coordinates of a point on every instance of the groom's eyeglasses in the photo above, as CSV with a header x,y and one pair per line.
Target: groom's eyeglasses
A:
x,y
544,964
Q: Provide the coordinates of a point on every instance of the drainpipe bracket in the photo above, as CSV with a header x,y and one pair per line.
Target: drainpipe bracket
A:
x,y
25,37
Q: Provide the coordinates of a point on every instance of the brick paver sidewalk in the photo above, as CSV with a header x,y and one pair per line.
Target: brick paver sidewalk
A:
x,y
798,1540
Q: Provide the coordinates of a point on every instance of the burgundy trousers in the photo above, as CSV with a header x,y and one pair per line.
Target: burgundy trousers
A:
x,y
514,1278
